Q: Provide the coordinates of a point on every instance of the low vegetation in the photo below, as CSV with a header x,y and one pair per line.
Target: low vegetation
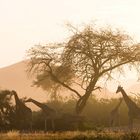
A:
x,y
95,124
71,135
95,116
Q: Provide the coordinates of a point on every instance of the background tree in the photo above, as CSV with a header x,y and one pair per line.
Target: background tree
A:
x,y
89,55
6,109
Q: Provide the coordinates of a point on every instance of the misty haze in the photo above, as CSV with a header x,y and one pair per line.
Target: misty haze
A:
x,y
70,70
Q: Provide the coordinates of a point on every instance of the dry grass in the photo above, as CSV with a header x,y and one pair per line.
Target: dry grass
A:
x,y
71,135
13,133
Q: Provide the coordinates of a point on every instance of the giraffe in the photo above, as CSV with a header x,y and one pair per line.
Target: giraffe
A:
x,y
48,112
114,114
133,109
23,113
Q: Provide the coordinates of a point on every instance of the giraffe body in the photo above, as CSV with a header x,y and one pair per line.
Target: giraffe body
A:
x,y
48,112
114,114
23,113
133,109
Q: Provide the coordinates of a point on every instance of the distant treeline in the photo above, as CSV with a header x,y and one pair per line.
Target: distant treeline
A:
x,y
96,114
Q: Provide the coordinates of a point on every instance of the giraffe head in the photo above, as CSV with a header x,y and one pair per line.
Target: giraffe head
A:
x,y
13,92
29,100
119,89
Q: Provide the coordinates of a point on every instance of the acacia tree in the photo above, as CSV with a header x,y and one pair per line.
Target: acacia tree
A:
x,y
88,56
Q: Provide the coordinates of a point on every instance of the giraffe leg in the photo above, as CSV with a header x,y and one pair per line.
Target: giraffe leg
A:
x,y
31,126
130,123
31,122
45,125
117,122
111,122
53,125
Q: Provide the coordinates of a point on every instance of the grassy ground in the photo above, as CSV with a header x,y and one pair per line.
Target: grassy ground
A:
x,y
71,135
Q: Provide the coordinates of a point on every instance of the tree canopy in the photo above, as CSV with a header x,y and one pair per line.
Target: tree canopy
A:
x,y
87,56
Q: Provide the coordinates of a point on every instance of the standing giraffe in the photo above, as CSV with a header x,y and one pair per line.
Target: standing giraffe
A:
x,y
48,112
114,114
23,113
133,109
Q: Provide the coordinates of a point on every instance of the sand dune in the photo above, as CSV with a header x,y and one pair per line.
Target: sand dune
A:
x,y
14,77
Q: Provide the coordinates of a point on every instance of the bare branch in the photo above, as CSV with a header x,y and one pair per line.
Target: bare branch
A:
x,y
88,55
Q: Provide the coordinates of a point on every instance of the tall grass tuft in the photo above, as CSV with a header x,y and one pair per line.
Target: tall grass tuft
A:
x,y
71,135
13,133
131,136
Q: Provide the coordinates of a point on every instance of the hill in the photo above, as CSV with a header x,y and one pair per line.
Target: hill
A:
x,y
14,77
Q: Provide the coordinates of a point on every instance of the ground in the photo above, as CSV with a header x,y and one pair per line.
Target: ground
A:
x,y
72,135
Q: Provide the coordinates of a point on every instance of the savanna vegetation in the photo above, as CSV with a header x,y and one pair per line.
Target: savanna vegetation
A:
x,y
95,124
89,56
72,135
95,116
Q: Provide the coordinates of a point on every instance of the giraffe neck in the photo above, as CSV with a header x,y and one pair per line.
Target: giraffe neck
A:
x,y
44,107
118,105
40,105
17,99
127,100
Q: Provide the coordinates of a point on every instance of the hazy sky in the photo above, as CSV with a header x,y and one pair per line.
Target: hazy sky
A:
x,y
24,23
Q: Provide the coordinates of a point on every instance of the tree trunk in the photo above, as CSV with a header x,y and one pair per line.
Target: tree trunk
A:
x,y
83,100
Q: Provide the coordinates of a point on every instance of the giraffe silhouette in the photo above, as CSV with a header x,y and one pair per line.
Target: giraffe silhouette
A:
x,y
48,112
133,109
114,114
23,113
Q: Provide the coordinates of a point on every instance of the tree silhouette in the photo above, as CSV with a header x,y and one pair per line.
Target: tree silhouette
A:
x,y
85,58
6,108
